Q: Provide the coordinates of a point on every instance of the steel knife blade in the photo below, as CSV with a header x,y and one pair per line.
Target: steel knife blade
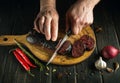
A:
x,y
61,43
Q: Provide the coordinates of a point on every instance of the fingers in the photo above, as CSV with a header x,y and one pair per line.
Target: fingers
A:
x,y
38,24
75,28
41,24
91,18
88,19
54,31
78,25
47,28
35,25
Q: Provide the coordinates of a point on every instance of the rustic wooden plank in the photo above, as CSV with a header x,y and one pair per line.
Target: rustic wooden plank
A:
x,y
63,74
3,60
20,74
86,71
116,19
49,77
10,67
114,23
71,74
107,37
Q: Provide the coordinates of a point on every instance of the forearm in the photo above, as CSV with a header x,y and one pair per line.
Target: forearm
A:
x,y
94,2
47,3
89,3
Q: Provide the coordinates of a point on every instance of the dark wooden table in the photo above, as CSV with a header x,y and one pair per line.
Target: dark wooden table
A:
x,y
17,16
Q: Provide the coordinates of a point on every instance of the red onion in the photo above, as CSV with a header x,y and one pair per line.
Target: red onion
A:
x,y
110,52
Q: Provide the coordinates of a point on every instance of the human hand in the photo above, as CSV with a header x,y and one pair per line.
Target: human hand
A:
x,y
79,15
46,23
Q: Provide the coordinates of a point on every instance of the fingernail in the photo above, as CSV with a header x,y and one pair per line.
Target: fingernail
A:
x,y
54,39
47,38
76,32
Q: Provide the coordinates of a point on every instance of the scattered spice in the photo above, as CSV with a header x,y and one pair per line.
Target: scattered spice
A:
x,y
54,70
68,73
98,29
92,74
116,66
47,68
110,70
47,73
59,75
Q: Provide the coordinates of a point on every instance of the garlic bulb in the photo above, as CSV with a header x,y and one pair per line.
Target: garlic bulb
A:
x,y
100,64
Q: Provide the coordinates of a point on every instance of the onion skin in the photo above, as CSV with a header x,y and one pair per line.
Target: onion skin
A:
x,y
110,52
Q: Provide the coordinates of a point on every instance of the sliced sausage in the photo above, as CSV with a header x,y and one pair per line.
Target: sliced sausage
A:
x,y
66,48
88,42
77,49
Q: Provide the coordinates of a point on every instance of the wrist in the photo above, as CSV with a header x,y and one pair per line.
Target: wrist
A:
x,y
47,4
89,3
93,3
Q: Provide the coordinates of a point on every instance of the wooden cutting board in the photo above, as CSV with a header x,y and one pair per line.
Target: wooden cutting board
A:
x,y
44,54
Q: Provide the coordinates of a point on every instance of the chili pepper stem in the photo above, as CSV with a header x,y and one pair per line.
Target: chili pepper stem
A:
x,y
11,50
30,55
30,73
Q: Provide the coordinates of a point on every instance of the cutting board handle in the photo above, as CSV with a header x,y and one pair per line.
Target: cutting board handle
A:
x,y
9,39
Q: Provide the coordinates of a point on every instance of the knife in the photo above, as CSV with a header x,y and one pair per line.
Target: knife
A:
x,y
61,43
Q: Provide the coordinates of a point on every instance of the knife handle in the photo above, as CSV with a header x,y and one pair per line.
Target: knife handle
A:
x,y
69,32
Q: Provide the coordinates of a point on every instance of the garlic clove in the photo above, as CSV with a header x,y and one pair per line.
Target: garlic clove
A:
x,y
100,64
110,70
116,66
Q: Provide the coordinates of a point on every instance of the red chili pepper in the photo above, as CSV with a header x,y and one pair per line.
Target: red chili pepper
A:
x,y
22,62
23,55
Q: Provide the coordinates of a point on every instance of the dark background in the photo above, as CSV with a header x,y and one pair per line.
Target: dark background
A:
x,y
30,8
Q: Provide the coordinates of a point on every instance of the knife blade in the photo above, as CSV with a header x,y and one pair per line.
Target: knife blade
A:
x,y
61,43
